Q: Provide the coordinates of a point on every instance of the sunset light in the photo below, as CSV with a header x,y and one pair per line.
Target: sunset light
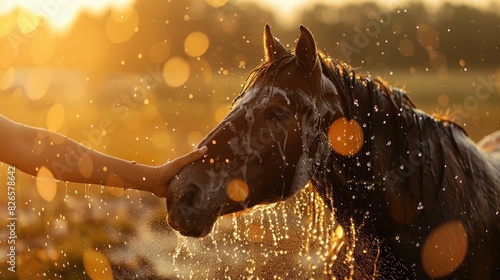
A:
x,y
59,14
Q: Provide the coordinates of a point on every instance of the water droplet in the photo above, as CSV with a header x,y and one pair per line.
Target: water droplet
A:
x,y
420,206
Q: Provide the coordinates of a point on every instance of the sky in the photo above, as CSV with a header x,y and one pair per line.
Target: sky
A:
x,y
61,13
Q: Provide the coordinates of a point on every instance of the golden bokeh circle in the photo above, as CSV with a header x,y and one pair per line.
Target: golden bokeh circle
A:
x,y
121,25
97,265
216,3
176,71
55,117
428,37
346,136
237,190
196,44
45,184
38,82
444,249
406,47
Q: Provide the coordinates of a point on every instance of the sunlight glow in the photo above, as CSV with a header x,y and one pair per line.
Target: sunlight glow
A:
x,y
60,14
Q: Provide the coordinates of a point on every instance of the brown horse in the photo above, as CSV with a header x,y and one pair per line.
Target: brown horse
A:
x,y
418,196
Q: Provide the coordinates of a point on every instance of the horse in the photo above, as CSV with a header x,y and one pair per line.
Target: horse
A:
x,y
413,187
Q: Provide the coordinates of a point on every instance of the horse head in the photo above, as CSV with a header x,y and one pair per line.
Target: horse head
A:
x,y
266,148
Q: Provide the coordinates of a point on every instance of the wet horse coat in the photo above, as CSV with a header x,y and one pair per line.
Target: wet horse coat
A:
x,y
420,198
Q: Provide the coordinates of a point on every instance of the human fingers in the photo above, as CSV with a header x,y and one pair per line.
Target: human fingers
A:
x,y
194,155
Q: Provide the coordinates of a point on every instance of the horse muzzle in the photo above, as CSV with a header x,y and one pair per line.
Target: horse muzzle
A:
x,y
190,210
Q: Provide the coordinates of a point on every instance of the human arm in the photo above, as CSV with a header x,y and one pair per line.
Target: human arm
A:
x,y
30,149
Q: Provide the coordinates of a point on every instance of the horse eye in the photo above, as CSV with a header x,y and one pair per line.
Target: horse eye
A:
x,y
278,114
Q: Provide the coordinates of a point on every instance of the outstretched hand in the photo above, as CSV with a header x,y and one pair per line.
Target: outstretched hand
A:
x,y
168,170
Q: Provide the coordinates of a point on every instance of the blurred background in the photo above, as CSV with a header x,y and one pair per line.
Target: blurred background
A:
x,y
146,80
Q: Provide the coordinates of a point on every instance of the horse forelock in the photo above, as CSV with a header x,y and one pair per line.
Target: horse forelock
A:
x,y
264,74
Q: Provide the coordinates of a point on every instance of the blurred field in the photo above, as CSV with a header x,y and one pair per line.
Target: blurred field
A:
x,y
92,228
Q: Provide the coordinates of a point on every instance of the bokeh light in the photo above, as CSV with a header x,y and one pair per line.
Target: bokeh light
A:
x,y
221,112
161,140
176,71
55,117
194,137
444,249
86,165
7,78
216,3
406,47
8,53
122,24
443,100
427,37
437,60
38,82
27,21
196,44
45,184
115,181
97,265
8,22
237,190
346,137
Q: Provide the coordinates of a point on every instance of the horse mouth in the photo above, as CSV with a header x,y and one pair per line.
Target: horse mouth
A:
x,y
200,229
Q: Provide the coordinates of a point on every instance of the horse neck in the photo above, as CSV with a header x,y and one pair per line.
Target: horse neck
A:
x,y
408,159
352,180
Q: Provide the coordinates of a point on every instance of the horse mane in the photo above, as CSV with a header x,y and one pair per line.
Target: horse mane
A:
x,y
342,75
345,79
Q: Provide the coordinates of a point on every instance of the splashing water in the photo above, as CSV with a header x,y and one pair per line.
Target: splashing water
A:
x,y
298,237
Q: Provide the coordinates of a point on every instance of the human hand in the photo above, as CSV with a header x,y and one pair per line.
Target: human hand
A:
x,y
167,171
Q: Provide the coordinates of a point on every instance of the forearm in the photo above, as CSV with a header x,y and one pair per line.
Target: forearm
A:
x,y
30,149
81,164
70,161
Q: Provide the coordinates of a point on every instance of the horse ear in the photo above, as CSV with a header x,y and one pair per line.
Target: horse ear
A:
x,y
306,49
272,47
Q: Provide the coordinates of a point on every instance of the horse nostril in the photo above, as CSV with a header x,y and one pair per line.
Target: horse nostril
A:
x,y
191,195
